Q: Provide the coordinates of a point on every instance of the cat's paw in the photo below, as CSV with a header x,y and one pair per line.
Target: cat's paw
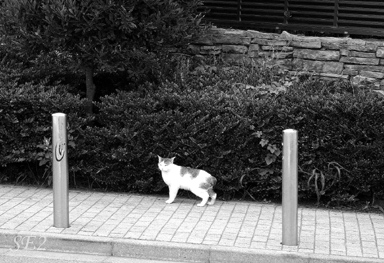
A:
x,y
169,201
211,203
201,204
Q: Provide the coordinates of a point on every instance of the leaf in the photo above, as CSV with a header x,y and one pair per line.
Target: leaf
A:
x,y
277,152
264,172
322,180
270,158
263,142
317,187
43,162
241,180
193,140
72,144
272,148
226,152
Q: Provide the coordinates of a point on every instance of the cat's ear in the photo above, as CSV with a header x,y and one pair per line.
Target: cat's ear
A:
x,y
173,158
159,158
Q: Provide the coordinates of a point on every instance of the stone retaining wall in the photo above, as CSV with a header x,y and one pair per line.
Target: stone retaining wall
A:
x,y
357,60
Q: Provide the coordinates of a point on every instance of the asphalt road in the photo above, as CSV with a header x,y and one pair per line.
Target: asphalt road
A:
x,y
31,256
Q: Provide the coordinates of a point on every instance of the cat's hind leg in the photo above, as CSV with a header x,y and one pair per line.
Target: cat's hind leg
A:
x,y
202,193
172,194
212,195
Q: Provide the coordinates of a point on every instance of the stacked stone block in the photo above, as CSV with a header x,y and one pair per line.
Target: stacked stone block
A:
x,y
357,60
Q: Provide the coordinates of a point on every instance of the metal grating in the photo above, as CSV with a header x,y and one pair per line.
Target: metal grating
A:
x,y
330,16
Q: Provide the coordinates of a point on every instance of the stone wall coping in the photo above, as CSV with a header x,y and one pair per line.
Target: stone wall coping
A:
x,y
356,60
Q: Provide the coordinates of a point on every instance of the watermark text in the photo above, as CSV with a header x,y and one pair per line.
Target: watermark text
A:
x,y
29,242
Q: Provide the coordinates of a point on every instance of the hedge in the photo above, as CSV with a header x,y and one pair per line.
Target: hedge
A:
x,y
25,130
218,119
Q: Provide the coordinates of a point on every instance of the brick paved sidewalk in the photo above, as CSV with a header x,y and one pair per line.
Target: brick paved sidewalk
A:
x,y
243,225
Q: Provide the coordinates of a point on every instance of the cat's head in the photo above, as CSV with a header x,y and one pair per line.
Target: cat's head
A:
x,y
165,163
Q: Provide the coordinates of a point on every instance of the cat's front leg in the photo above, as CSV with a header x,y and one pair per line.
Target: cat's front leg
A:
x,y
172,194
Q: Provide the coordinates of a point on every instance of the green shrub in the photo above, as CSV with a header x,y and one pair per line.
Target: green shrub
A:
x,y
235,133
100,35
341,142
197,127
228,121
25,131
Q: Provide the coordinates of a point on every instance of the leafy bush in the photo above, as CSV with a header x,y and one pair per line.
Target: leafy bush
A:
x,y
197,127
100,35
25,131
340,141
234,132
226,120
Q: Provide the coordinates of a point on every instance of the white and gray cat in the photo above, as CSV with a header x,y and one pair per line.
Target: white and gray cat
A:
x,y
178,177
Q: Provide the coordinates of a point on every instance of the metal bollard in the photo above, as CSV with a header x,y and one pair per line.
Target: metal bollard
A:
x,y
290,188
60,171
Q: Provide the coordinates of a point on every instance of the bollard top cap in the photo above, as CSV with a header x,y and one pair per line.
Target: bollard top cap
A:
x,y
290,131
58,114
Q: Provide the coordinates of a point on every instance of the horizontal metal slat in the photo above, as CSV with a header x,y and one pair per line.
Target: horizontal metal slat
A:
x,y
362,23
311,21
261,17
329,2
223,9
362,3
311,13
363,17
319,28
221,2
361,11
359,17
303,7
265,12
264,5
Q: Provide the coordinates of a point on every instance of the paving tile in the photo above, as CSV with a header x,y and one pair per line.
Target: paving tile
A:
x,y
259,238
209,242
289,248
338,252
354,250
134,235
164,237
247,225
180,237
226,242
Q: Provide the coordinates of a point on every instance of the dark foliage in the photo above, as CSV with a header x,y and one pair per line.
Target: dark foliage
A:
x,y
226,120
25,131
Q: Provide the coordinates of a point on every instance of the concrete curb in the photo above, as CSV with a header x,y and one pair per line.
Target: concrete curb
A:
x,y
19,240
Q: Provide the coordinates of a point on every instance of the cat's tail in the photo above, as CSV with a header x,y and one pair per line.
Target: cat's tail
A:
x,y
212,180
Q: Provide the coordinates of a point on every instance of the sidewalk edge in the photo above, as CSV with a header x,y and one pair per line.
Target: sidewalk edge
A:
x,y
25,240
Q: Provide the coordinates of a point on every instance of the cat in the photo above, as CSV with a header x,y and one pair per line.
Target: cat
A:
x,y
178,177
